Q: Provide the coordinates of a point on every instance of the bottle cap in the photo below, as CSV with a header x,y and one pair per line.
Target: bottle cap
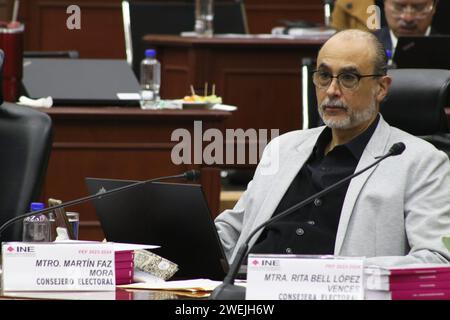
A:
x,y
35,206
150,53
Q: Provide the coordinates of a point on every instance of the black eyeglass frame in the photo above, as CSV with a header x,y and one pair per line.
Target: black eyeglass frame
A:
x,y
358,76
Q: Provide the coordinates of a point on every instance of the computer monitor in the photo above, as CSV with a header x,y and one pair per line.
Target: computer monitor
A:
x,y
173,216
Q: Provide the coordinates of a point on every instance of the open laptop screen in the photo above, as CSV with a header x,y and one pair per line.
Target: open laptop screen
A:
x,y
173,216
79,82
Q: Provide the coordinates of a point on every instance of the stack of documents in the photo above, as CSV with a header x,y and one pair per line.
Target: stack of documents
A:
x,y
196,288
410,282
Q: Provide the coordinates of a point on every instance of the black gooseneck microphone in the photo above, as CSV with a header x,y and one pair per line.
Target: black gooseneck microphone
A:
x,y
188,175
228,290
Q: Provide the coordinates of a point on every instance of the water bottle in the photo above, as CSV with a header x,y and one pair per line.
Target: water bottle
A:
x,y
150,80
36,228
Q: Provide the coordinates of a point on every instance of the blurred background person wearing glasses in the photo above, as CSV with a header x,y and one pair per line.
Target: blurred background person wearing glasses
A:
x,y
406,18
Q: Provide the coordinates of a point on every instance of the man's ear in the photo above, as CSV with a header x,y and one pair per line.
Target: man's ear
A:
x,y
383,87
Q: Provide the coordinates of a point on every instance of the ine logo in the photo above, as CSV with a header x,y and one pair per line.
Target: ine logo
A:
x,y
73,22
265,264
270,263
21,249
255,262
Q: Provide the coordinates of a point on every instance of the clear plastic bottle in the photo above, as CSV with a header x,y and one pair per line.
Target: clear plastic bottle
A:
x,y
36,228
150,80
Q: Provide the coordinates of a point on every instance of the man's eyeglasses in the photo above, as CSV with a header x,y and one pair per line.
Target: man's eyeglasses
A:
x,y
420,11
347,80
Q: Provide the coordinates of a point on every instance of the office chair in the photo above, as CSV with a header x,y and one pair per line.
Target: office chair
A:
x,y
415,103
25,144
141,18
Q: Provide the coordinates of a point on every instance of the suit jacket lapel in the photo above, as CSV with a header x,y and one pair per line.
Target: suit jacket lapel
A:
x,y
377,146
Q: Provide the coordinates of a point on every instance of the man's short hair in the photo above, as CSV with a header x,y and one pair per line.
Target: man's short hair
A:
x,y
380,60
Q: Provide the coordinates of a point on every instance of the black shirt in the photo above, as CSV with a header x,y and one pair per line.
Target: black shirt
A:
x,y
312,229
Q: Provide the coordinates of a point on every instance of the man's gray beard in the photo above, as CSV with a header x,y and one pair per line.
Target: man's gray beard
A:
x,y
352,119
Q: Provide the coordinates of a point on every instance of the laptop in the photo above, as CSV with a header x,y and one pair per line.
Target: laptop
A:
x,y
430,52
173,216
81,82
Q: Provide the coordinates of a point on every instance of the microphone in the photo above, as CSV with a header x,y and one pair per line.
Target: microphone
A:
x,y
190,175
228,290
397,148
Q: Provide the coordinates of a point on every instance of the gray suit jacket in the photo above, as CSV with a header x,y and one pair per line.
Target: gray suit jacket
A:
x,y
395,213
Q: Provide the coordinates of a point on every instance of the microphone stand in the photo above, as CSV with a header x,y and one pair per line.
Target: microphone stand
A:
x,y
228,290
188,175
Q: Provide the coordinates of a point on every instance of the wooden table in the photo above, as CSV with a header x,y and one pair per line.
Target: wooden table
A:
x,y
262,76
120,143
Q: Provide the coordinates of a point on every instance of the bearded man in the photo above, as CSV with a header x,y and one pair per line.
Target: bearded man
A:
x,y
394,213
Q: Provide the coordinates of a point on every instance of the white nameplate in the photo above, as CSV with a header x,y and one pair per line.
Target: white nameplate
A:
x,y
291,277
58,266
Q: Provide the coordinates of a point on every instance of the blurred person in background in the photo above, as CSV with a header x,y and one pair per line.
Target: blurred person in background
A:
x,y
406,18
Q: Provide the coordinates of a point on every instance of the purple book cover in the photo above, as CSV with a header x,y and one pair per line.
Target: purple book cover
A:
x,y
124,265
124,273
419,285
124,255
421,294
120,281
